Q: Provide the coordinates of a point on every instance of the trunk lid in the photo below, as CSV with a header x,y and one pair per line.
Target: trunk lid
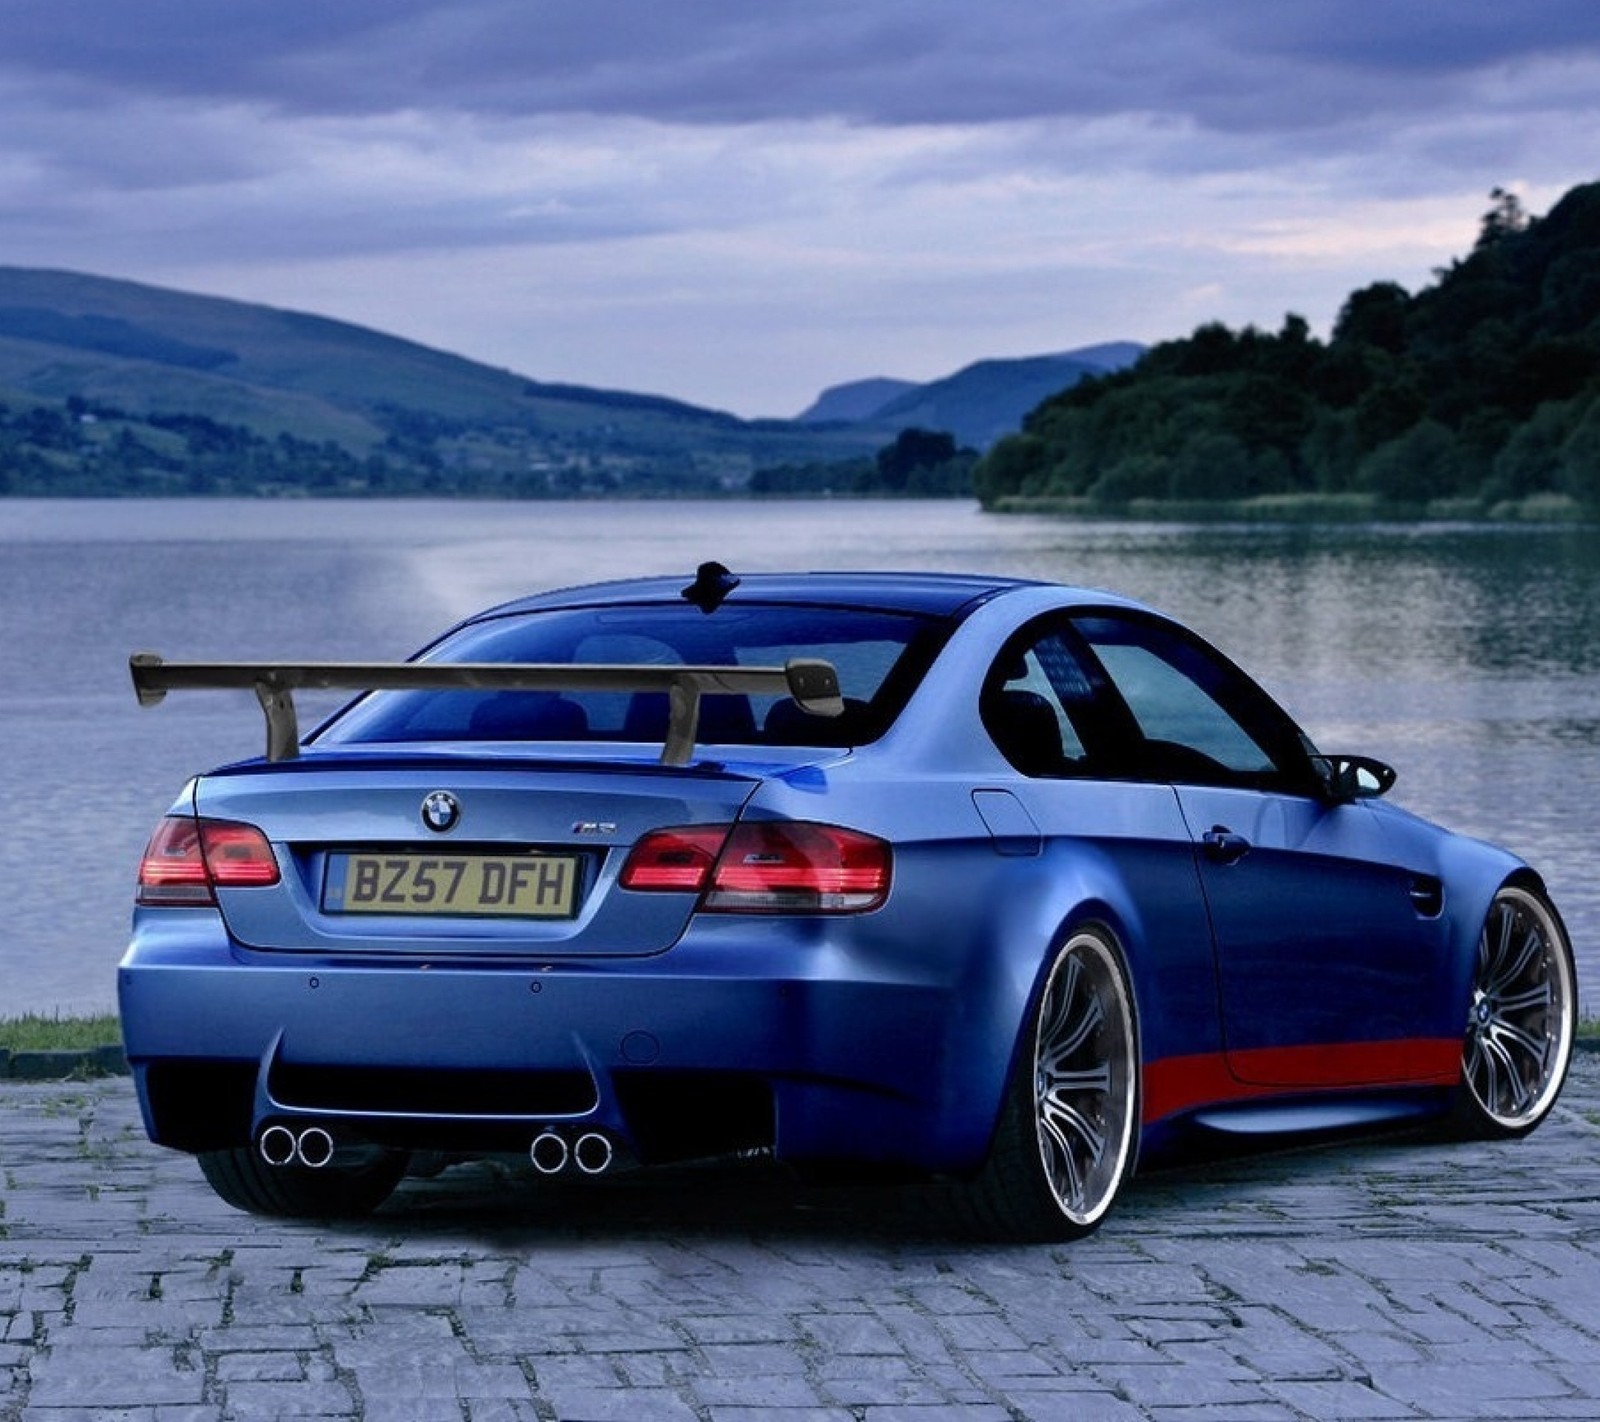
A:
x,y
363,872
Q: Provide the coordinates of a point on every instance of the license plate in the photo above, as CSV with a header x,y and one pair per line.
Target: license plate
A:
x,y
458,885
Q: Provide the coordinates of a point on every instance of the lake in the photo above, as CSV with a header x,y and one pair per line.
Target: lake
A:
x,y
1468,656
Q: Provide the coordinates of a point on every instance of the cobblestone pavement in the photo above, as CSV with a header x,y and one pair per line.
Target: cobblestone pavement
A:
x,y
1399,1278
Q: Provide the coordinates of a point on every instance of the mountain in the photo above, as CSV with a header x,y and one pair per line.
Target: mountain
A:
x,y
115,387
978,404
111,386
855,402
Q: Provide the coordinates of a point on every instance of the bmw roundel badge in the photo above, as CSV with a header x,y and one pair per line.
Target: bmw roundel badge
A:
x,y
441,811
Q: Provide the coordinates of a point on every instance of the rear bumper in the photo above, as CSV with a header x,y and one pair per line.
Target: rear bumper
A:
x,y
811,1046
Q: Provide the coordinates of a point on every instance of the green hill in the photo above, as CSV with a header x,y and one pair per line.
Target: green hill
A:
x,y
114,387
1481,391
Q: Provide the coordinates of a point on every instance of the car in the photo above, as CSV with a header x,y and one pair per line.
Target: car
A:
x,y
979,880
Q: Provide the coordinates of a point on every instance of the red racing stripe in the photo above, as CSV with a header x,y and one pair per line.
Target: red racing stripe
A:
x,y
1177,1084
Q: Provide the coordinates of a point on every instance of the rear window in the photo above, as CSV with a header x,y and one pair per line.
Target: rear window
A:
x,y
880,657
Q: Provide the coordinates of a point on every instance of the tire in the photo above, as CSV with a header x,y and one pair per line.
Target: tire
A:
x,y
245,1181
1521,1020
1068,1132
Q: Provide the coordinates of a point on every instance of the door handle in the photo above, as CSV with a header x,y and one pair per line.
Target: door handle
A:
x,y
1223,846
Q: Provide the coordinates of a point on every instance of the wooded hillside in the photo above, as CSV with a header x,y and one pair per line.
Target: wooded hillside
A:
x,y
1482,388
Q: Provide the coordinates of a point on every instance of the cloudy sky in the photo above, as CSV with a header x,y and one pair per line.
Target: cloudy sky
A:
x,y
738,202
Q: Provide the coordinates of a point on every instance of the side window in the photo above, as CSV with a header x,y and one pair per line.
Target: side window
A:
x,y
1027,703
1199,720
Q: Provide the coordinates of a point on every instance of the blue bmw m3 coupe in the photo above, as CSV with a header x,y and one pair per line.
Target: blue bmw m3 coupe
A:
x,y
974,879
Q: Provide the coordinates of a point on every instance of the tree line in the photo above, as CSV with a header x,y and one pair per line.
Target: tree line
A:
x,y
918,463
1483,387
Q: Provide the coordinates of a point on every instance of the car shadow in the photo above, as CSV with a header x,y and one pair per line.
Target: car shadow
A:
x,y
710,1199
507,1203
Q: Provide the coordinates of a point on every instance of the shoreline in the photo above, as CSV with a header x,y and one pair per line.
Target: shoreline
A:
x,y
1537,509
1338,508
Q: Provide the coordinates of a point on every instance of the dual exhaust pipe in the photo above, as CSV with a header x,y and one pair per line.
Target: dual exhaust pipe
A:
x,y
314,1147
590,1154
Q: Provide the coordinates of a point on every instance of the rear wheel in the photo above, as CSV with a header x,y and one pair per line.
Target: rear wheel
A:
x,y
243,1179
1521,1020
1068,1133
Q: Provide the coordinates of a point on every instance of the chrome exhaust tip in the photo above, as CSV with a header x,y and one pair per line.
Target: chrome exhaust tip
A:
x,y
548,1153
593,1153
314,1148
277,1145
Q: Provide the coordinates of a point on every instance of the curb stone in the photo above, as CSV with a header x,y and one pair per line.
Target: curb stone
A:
x,y
107,1060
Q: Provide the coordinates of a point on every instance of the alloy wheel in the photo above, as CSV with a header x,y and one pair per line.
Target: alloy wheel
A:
x,y
1521,1019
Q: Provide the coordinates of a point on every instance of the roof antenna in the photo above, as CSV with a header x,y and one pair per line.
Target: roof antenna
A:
x,y
712,583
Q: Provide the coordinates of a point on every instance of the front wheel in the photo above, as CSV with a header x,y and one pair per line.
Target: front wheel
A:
x,y
1521,1019
1068,1132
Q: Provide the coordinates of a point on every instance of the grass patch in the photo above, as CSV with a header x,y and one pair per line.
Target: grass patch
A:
x,y
34,1032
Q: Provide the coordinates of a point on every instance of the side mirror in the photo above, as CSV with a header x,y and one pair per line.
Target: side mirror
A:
x,y
1353,777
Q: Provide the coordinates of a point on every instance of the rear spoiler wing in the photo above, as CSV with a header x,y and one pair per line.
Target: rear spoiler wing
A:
x,y
813,684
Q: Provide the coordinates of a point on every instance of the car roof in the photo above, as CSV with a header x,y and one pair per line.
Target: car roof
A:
x,y
937,594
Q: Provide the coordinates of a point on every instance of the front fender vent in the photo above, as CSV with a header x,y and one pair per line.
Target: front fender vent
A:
x,y
1427,896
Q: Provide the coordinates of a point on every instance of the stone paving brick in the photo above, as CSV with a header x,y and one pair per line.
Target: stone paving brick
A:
x,y
1393,1279
1230,1412
1074,1405
99,1375
246,1401
762,1360
1187,1382
124,1414
578,1373
260,1367
786,1414
1348,1401
737,1329
1485,1389
403,1409
842,1335
877,1382
971,1412
247,1338
504,1410
620,1405
753,1390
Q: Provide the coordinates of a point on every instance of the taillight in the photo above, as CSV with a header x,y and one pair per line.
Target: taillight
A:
x,y
188,859
674,860
771,866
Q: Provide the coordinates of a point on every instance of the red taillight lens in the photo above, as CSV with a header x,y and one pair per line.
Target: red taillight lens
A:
x,y
787,866
674,860
188,859
238,856
775,866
